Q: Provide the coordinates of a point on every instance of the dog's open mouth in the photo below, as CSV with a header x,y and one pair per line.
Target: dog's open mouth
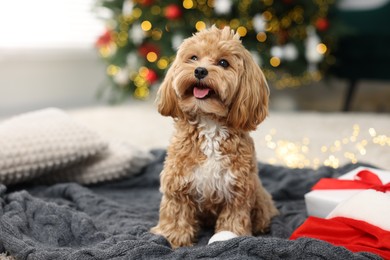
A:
x,y
202,91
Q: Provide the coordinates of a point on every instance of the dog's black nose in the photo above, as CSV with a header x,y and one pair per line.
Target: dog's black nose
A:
x,y
201,72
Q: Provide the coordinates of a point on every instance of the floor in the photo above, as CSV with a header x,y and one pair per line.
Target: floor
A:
x,y
289,138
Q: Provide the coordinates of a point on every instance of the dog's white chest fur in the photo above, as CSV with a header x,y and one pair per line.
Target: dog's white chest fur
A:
x,y
212,179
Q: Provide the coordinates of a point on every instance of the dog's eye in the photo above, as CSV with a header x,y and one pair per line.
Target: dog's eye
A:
x,y
223,63
194,58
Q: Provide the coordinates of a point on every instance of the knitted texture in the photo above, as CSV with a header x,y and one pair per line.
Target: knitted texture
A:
x,y
118,161
112,221
40,142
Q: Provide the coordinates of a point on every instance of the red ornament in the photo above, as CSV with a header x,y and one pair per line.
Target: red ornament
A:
x,y
105,39
145,2
151,76
173,12
322,24
145,48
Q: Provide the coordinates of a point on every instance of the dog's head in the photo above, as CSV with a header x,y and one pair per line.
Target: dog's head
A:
x,y
213,74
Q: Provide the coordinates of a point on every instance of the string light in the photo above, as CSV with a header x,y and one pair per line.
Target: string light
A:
x,y
241,31
139,81
156,34
137,12
141,92
108,50
188,4
321,48
162,63
285,80
274,61
124,26
295,154
155,10
151,56
267,15
234,23
200,25
146,25
121,39
261,37
112,70
143,71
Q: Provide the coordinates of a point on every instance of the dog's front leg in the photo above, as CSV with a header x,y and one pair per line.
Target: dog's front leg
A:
x,y
236,218
178,223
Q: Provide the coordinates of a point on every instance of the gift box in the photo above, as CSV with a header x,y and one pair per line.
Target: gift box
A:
x,y
360,223
328,193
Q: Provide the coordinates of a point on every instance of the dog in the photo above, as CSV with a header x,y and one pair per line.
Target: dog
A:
x,y
216,94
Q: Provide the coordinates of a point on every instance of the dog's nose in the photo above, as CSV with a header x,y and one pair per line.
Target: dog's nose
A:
x,y
201,72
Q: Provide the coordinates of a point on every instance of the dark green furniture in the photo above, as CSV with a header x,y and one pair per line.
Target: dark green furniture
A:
x,y
365,52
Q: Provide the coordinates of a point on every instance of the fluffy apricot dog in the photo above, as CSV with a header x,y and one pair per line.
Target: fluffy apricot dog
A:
x,y
216,94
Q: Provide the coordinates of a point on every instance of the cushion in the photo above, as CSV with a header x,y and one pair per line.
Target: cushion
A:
x,y
119,160
42,141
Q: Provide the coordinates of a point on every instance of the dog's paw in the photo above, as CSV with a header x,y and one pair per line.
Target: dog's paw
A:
x,y
222,236
177,238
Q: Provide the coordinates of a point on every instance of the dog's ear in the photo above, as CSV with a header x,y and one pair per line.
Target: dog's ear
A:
x,y
166,100
250,106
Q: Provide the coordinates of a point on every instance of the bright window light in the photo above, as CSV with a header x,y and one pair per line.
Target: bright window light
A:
x,y
48,24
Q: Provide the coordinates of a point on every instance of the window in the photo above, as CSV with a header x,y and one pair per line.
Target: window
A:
x,y
48,24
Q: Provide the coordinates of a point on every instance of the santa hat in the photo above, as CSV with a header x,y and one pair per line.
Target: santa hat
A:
x,y
361,223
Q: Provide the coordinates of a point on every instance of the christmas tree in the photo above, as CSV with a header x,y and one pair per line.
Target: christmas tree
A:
x,y
291,40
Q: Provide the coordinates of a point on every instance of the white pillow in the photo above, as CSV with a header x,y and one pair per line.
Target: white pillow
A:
x,y
43,141
119,160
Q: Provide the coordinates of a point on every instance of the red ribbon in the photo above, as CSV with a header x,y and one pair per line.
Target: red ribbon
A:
x,y
363,180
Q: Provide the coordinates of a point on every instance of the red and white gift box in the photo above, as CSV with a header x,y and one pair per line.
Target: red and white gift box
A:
x,y
360,224
328,193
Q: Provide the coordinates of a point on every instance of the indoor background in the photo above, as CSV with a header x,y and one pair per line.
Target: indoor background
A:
x,y
49,57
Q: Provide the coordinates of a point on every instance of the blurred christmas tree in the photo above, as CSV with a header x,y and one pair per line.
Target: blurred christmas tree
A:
x,y
292,40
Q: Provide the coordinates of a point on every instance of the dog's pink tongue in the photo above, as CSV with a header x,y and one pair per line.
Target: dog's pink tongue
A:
x,y
201,92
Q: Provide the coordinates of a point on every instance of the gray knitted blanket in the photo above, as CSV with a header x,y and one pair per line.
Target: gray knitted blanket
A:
x,y
111,221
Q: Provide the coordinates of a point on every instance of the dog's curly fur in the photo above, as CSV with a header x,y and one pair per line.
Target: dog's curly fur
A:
x,y
210,175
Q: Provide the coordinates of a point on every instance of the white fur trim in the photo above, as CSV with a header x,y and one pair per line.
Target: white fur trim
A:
x,y
370,206
222,236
